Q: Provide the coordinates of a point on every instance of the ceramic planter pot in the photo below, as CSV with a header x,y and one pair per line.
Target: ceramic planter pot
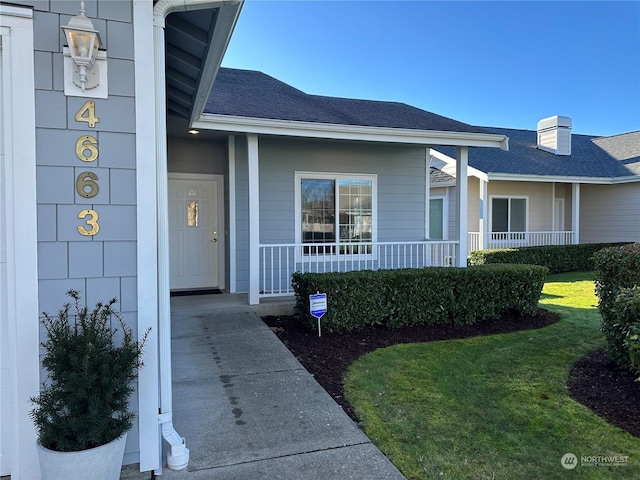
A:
x,y
103,462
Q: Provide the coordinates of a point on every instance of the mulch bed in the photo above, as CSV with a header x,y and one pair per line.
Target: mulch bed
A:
x,y
328,357
612,393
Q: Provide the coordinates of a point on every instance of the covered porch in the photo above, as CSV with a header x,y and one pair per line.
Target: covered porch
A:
x,y
494,240
270,263
524,214
279,261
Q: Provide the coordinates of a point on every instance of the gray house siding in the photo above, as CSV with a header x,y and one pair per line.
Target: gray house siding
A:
x,y
101,266
242,214
401,183
609,213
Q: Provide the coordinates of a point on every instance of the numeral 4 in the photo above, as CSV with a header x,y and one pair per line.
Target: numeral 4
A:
x,y
87,113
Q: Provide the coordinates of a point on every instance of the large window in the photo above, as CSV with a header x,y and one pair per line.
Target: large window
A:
x,y
337,210
508,217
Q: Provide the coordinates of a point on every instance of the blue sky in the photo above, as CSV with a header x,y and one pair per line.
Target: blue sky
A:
x,y
503,64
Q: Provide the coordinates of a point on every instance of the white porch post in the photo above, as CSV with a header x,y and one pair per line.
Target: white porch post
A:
x,y
254,221
484,221
553,208
427,210
575,212
231,145
462,179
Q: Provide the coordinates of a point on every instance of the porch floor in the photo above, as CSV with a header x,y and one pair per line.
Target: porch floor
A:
x,y
247,407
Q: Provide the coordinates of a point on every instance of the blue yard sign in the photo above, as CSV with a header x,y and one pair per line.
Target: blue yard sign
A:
x,y
318,307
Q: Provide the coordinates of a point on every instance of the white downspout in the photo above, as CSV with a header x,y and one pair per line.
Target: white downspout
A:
x,y
178,455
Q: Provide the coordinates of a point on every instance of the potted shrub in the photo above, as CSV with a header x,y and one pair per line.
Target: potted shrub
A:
x,y
82,412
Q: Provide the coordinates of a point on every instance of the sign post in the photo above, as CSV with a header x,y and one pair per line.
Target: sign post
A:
x,y
318,307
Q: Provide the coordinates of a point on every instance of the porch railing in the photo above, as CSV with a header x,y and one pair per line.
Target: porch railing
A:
x,y
520,239
279,261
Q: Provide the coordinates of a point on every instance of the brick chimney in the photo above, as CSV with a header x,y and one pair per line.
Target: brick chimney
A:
x,y
554,135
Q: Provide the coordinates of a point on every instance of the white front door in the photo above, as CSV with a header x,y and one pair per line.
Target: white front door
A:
x,y
195,238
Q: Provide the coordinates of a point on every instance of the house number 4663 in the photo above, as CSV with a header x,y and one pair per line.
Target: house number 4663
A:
x,y
87,182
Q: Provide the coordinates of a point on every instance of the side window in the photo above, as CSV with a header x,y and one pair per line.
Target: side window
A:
x,y
508,214
436,219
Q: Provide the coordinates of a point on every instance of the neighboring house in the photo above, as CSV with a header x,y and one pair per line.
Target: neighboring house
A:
x,y
103,191
551,187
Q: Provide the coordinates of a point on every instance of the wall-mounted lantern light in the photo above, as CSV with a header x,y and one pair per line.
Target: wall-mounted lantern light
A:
x,y
84,41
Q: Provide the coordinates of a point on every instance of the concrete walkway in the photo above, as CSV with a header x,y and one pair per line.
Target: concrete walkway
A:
x,y
247,407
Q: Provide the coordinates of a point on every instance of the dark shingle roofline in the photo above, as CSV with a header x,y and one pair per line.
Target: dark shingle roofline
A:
x,y
253,102
614,159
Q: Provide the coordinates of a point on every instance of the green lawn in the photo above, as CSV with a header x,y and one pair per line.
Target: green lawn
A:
x,y
492,407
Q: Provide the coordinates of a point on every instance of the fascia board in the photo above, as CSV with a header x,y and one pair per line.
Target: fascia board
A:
x,y
629,179
229,123
162,8
557,179
442,184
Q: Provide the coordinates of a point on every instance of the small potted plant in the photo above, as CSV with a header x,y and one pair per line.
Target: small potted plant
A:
x,y
82,412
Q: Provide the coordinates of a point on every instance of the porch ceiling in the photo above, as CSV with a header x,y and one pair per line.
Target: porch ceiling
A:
x,y
195,42
187,39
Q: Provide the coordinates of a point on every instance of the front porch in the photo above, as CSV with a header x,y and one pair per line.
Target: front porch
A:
x,y
279,261
494,240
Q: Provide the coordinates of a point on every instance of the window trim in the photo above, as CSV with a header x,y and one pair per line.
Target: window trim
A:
x,y
300,175
490,231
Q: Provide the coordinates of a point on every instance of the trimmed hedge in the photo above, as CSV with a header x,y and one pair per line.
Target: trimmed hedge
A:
x,y
626,307
557,258
434,295
617,275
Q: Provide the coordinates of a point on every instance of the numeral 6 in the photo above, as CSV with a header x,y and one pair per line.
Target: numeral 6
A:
x,y
87,148
86,185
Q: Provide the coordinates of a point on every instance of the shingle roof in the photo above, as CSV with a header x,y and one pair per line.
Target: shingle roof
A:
x,y
253,94
625,148
438,176
597,157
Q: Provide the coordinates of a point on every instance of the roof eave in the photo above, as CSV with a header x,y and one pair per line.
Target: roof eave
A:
x,y
225,23
261,126
561,179
442,184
